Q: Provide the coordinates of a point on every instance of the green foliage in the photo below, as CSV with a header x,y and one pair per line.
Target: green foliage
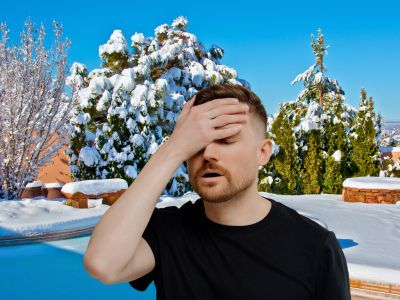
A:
x,y
333,179
285,163
312,164
335,140
115,61
315,135
365,151
318,87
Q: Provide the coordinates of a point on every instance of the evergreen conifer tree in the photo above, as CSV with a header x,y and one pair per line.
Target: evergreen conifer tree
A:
x,y
115,53
317,86
365,151
321,122
312,164
285,163
128,108
337,149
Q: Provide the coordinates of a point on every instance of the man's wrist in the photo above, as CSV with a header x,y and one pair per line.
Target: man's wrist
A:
x,y
170,152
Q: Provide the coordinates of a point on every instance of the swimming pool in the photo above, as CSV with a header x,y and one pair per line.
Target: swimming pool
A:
x,y
54,270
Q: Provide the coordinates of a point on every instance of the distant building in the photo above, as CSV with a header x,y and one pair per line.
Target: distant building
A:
x,y
58,169
392,152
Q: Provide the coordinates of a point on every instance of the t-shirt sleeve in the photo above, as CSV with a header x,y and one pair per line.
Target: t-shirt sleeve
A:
x,y
332,280
150,234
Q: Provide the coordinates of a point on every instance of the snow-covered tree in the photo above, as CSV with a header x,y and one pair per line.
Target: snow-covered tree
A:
x,y
126,109
394,169
312,164
317,86
364,149
33,105
390,137
321,125
115,52
282,170
338,159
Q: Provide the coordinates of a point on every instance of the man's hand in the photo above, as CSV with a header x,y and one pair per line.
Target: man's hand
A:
x,y
200,125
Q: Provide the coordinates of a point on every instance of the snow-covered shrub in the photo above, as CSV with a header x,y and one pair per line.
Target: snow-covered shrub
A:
x,y
34,106
128,108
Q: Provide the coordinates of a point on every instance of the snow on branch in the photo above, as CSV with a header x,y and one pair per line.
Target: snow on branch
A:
x,y
305,75
33,104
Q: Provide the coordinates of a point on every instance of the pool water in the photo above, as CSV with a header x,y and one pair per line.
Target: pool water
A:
x,y
54,270
346,243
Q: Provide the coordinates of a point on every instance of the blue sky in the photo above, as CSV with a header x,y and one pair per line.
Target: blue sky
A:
x,y
268,43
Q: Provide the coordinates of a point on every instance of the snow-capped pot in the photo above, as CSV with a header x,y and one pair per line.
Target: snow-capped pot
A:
x,y
128,108
78,193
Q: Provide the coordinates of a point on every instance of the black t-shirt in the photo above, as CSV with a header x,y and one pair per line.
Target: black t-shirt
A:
x,y
283,256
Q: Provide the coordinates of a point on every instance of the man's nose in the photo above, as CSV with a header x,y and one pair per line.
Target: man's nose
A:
x,y
212,151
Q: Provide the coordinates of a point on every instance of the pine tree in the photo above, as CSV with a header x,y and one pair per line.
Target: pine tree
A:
x,y
130,106
115,53
285,163
337,149
312,163
317,86
321,125
365,151
393,169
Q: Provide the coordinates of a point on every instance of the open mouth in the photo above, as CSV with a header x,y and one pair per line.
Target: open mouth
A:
x,y
208,175
211,177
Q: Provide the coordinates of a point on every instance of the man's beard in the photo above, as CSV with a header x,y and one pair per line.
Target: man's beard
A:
x,y
223,190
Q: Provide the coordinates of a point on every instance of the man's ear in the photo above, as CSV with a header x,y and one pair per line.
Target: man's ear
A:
x,y
264,154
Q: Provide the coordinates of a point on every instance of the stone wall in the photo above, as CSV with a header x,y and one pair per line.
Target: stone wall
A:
x,y
383,196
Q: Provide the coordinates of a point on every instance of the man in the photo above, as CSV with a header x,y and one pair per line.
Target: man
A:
x,y
231,243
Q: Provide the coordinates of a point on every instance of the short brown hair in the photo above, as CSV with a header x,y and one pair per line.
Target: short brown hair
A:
x,y
228,90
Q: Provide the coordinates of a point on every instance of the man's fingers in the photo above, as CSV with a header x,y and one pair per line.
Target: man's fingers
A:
x,y
188,105
219,101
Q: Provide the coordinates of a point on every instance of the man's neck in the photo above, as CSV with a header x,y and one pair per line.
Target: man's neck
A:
x,y
242,211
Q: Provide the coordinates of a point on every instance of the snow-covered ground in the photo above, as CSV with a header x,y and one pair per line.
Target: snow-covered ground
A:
x,y
372,231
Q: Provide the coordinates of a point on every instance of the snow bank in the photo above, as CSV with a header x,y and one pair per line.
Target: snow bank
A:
x,y
98,186
387,183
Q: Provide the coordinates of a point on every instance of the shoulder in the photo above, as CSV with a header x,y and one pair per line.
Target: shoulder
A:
x,y
174,210
297,223
174,207
173,216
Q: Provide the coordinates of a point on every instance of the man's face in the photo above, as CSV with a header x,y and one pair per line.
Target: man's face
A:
x,y
236,157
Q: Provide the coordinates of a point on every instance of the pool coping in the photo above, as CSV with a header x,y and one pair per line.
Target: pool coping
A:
x,y
362,288
376,288
44,237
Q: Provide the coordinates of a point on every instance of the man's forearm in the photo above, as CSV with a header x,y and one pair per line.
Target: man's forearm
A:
x,y
117,234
